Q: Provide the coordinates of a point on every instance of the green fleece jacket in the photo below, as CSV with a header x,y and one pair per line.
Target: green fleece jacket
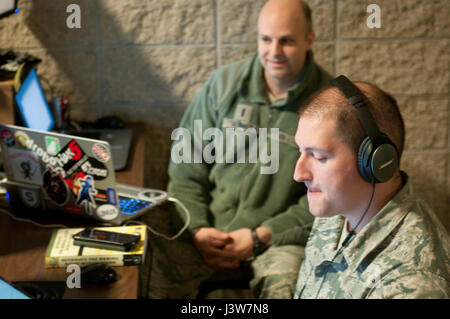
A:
x,y
238,191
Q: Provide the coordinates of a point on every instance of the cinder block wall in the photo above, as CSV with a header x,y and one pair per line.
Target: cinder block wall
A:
x,y
144,60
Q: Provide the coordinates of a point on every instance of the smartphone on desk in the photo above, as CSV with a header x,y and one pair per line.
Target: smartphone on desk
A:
x,y
91,237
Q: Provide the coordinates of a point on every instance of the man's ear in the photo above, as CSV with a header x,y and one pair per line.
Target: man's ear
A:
x,y
310,39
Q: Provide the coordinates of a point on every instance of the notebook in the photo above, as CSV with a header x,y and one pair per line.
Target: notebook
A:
x,y
58,172
35,113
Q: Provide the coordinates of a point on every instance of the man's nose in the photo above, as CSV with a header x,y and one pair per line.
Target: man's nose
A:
x,y
275,48
301,172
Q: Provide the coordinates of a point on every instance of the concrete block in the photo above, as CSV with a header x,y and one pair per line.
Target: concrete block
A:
x,y
427,170
155,74
156,22
426,122
399,18
399,67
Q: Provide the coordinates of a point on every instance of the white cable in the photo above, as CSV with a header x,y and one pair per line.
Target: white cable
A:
x,y
170,199
188,220
26,220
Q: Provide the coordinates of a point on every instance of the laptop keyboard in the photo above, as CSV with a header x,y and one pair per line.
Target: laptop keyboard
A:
x,y
132,205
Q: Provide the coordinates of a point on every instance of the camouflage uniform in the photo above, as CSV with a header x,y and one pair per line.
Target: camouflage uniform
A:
x,y
403,252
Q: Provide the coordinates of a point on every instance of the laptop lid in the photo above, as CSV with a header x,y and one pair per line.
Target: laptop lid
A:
x,y
33,106
61,172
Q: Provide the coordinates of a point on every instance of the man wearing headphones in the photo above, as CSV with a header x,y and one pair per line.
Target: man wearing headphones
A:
x,y
372,237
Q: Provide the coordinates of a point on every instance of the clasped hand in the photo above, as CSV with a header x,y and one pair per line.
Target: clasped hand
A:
x,y
222,250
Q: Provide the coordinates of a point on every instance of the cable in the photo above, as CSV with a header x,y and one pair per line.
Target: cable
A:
x,y
170,199
347,240
26,220
367,209
188,220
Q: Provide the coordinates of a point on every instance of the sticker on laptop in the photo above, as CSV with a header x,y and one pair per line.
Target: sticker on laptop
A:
x,y
73,182
78,157
55,187
101,152
25,166
86,194
111,194
22,138
63,159
52,145
107,212
30,197
95,168
7,137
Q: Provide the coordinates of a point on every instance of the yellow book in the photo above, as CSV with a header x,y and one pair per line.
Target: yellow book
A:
x,y
62,252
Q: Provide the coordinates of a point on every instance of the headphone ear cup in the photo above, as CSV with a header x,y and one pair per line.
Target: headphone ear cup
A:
x,y
380,164
365,160
384,160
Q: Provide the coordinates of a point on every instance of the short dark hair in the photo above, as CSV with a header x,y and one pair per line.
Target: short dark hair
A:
x,y
330,102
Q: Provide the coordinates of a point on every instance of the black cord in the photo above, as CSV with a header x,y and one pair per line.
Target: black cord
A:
x,y
348,239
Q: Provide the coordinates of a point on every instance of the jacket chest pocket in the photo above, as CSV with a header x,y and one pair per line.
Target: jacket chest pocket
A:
x,y
356,287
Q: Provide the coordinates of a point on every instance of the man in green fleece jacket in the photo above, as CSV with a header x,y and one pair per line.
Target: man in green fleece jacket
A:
x,y
233,159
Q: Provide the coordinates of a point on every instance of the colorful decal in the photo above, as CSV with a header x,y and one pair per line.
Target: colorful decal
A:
x,y
77,158
25,166
52,145
101,152
30,197
55,187
95,168
73,182
7,137
85,195
62,159
22,138
107,212
111,192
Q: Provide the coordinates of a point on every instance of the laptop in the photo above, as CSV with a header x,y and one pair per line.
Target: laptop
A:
x,y
35,113
9,291
71,174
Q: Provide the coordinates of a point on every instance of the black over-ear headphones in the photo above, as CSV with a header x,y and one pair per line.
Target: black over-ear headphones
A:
x,y
377,155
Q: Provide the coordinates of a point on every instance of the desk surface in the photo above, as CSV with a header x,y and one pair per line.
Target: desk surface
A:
x,y
22,252
23,246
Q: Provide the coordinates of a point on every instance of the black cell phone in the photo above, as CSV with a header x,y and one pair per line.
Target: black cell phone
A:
x,y
91,237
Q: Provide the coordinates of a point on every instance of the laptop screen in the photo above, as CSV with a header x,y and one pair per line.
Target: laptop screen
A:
x,y
32,104
7,291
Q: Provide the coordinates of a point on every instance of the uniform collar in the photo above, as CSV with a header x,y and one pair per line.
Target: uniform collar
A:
x,y
329,231
379,228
